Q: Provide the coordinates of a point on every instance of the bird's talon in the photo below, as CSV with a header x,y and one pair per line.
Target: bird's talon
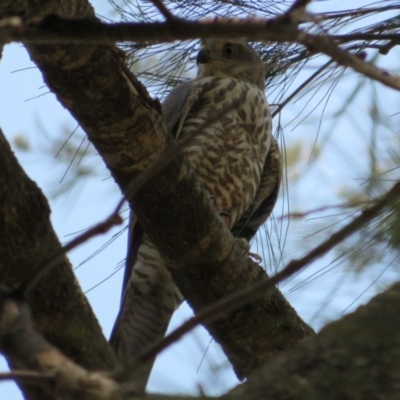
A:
x,y
245,245
255,257
226,218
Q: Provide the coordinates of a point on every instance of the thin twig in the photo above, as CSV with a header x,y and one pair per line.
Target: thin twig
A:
x,y
325,208
353,13
246,296
51,261
351,37
163,10
28,377
300,88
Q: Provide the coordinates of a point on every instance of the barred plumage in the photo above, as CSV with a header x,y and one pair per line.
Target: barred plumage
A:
x,y
235,158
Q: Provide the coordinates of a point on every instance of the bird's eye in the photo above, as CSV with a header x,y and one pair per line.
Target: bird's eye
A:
x,y
229,50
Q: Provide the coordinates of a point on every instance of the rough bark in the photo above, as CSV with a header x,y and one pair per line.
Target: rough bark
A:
x,y
357,357
127,129
61,311
354,358
29,351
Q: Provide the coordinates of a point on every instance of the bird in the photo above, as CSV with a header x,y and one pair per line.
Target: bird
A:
x,y
237,161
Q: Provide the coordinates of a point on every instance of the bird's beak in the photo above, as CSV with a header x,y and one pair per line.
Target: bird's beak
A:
x,y
203,57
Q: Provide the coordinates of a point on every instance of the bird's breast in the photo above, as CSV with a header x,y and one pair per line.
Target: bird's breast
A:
x,y
229,153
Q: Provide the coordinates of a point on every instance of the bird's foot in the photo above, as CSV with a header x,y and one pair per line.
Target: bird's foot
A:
x,y
245,245
226,218
255,257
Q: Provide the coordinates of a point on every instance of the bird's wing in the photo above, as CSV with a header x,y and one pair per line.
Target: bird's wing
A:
x,y
178,104
174,105
134,236
265,198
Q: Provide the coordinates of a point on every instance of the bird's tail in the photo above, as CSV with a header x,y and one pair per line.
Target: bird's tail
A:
x,y
149,299
141,323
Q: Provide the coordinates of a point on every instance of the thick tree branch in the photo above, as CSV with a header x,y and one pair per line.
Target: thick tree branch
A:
x,y
127,129
28,350
250,294
357,357
54,29
60,309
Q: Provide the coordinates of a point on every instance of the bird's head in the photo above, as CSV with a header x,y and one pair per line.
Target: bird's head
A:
x,y
230,59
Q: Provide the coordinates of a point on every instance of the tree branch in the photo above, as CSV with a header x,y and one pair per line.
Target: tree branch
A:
x,y
357,357
54,29
58,304
347,359
249,295
28,350
163,10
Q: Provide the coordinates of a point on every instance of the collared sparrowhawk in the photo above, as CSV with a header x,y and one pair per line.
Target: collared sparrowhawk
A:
x,y
236,159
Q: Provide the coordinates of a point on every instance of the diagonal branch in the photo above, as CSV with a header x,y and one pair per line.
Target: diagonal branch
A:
x,y
357,357
253,293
